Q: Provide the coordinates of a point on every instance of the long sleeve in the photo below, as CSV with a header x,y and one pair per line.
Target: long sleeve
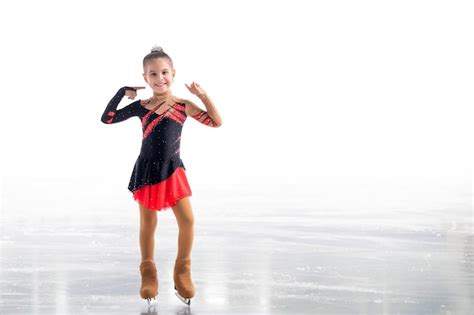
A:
x,y
112,115
201,115
204,118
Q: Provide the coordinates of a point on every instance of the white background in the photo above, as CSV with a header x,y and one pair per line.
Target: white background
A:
x,y
305,89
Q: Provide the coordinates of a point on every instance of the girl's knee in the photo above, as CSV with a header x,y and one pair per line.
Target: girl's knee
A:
x,y
184,213
148,222
187,221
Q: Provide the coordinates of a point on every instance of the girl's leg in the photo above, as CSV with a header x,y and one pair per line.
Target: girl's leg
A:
x,y
148,222
184,216
182,269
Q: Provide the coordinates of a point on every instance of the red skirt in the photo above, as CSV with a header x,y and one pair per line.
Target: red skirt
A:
x,y
165,194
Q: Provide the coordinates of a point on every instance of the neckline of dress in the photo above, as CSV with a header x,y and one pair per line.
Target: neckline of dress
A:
x,y
156,107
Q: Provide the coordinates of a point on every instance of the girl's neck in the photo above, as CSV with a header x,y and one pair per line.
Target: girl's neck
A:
x,y
162,96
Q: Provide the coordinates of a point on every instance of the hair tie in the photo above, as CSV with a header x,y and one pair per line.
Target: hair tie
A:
x,y
157,49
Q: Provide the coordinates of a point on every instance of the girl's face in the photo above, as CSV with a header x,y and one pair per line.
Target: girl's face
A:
x,y
159,75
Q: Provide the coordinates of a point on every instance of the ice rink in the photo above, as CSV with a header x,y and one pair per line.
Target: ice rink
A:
x,y
344,245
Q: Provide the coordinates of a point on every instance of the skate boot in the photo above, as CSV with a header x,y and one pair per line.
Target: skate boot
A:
x,y
183,285
149,286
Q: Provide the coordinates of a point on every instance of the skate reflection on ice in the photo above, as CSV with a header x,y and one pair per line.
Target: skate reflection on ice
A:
x,y
151,310
186,310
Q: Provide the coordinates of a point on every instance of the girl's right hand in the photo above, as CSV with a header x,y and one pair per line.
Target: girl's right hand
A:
x,y
133,93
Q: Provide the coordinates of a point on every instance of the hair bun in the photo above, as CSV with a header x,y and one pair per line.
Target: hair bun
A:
x,y
156,49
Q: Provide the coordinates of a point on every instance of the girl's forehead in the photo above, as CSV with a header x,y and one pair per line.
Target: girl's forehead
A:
x,y
158,64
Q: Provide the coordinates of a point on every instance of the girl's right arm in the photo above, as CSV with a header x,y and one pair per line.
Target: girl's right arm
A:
x,y
112,115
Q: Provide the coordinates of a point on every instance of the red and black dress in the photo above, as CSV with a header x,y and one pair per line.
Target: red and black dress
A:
x,y
158,178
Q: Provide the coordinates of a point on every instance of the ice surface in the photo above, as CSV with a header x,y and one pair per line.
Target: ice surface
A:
x,y
347,246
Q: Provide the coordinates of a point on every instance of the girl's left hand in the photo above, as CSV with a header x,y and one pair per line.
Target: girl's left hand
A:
x,y
196,89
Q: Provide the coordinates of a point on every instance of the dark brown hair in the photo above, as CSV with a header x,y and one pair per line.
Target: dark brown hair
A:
x,y
156,52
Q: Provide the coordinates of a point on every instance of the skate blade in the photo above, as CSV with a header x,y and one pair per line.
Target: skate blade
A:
x,y
151,301
186,301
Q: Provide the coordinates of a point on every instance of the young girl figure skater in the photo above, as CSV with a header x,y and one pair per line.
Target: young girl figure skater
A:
x,y
158,179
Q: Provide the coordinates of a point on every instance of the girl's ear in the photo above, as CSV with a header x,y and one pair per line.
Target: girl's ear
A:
x,y
144,77
174,73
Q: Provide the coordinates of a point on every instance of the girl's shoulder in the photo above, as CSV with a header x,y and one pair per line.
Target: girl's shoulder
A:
x,y
189,107
180,100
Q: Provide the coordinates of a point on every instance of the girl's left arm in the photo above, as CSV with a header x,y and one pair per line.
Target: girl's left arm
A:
x,y
211,116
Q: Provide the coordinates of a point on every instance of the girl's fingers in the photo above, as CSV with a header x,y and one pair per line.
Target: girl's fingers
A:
x,y
193,88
